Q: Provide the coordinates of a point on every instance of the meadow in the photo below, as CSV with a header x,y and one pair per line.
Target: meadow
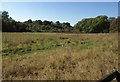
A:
x,y
58,56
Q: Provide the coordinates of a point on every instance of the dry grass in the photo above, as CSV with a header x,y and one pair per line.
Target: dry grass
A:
x,y
63,57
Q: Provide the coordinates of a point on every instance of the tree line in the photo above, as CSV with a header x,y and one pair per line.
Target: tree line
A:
x,y
99,24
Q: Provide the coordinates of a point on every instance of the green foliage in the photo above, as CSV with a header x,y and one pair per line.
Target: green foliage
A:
x,y
93,25
100,24
10,25
47,42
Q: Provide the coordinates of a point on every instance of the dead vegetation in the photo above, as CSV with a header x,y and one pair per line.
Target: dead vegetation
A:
x,y
59,56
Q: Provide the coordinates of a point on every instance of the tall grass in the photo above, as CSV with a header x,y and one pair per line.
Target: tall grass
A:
x,y
52,56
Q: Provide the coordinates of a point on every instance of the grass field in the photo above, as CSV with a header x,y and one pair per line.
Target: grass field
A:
x,y
59,56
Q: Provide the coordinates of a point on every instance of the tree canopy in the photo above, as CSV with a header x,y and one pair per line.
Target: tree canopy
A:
x,y
99,24
93,25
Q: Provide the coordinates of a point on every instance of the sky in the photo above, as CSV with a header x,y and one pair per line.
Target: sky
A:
x,y
71,12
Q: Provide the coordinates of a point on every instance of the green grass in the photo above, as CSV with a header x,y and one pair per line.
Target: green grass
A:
x,y
59,56
39,44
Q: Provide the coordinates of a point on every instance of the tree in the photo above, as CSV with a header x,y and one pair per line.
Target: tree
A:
x,y
93,25
5,15
39,22
99,24
110,19
115,25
